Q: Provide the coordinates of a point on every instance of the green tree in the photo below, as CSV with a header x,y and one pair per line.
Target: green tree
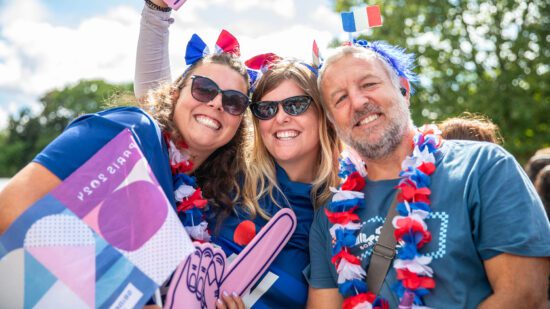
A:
x,y
488,57
27,133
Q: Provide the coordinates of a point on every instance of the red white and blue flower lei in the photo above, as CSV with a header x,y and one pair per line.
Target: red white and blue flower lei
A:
x,y
189,200
414,275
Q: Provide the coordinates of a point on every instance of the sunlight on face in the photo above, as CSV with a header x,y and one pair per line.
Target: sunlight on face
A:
x,y
369,113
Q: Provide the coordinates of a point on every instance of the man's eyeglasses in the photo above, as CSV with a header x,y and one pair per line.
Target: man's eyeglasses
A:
x,y
294,106
204,89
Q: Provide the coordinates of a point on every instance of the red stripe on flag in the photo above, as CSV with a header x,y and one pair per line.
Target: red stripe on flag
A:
x,y
374,16
315,49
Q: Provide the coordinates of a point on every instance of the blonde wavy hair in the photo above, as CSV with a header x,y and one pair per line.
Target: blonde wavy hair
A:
x,y
260,173
222,168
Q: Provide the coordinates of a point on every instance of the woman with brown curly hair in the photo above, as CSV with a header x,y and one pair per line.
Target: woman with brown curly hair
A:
x,y
196,127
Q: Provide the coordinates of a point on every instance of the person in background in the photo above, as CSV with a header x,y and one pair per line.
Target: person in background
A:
x,y
537,162
538,170
470,127
542,184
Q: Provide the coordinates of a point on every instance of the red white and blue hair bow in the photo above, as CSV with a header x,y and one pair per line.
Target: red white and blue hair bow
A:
x,y
197,49
258,65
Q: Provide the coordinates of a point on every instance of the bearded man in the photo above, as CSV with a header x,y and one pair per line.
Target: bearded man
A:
x,y
470,228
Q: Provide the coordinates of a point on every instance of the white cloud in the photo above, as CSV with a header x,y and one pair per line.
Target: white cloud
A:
x,y
31,10
38,54
284,27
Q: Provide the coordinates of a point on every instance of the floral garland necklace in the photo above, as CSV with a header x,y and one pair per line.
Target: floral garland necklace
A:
x,y
189,201
414,275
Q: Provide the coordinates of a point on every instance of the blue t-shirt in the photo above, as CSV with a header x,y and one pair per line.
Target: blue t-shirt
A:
x,y
283,285
483,205
87,134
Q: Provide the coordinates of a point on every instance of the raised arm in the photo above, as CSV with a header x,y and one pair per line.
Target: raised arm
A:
x,y
152,59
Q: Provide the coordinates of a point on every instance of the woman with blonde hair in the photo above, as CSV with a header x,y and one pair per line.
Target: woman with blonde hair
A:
x,y
291,161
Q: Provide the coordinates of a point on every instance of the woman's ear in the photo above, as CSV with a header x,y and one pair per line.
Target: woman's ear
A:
x,y
175,94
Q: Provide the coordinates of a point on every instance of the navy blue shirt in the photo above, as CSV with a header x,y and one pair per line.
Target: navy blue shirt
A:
x,y
283,285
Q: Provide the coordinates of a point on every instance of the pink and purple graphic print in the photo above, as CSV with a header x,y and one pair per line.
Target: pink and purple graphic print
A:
x,y
107,236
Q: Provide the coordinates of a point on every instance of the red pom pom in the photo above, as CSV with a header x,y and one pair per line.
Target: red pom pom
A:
x,y
244,233
346,256
413,281
427,168
354,182
410,193
182,167
343,217
195,200
407,225
351,302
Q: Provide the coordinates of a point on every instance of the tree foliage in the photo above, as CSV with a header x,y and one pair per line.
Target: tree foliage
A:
x,y
27,133
487,57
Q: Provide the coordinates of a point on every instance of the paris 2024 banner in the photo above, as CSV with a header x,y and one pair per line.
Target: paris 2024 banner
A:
x,y
107,237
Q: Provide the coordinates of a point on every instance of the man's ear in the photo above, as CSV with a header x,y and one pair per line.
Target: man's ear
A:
x,y
405,88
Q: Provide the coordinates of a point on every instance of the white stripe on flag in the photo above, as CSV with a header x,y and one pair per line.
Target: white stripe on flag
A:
x,y
361,21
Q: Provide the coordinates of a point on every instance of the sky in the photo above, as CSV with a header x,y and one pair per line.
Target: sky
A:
x,y
49,44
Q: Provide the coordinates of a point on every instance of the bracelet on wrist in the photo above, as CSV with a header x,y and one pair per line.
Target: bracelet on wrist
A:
x,y
157,7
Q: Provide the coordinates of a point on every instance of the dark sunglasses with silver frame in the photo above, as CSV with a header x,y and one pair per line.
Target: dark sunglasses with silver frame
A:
x,y
204,89
294,106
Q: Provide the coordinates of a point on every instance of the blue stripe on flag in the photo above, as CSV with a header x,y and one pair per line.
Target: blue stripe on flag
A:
x,y
348,21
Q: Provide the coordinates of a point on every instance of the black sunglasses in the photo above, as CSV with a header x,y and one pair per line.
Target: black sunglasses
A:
x,y
204,89
293,106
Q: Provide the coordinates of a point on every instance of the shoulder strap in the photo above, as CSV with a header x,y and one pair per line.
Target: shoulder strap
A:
x,y
383,252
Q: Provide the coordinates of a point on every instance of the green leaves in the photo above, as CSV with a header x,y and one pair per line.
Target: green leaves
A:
x,y
27,133
487,57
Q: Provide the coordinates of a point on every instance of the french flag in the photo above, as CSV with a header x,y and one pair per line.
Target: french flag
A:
x,y
362,18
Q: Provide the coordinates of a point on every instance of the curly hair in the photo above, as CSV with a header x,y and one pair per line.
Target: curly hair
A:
x,y
217,175
260,177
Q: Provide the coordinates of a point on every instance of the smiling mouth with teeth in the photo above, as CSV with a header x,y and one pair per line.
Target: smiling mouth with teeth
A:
x,y
208,122
368,119
285,135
